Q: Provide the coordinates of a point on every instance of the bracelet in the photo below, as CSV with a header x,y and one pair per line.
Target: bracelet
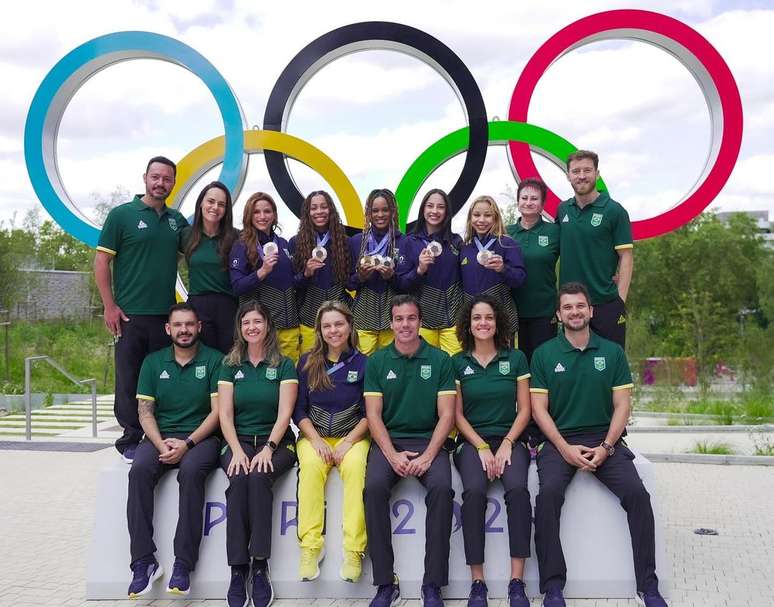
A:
x,y
482,447
509,440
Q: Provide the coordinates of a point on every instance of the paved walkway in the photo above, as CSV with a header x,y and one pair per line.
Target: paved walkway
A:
x,y
47,502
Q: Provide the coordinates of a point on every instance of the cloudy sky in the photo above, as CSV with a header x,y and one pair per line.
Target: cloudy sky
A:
x,y
373,112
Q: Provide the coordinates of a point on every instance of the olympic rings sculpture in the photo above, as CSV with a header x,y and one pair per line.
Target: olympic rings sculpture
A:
x,y
232,150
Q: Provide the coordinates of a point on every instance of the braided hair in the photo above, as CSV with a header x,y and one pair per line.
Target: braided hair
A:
x,y
392,230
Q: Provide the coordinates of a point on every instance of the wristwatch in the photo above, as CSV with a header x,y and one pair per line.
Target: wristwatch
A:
x,y
190,443
609,448
272,445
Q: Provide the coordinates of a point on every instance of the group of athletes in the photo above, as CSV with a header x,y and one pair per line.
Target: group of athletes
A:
x,y
388,352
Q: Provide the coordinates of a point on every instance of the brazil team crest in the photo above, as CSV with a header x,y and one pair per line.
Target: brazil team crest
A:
x,y
599,363
271,373
543,241
351,376
596,219
173,224
201,371
504,367
425,371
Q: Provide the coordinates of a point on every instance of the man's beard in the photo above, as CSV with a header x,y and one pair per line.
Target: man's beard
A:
x,y
193,342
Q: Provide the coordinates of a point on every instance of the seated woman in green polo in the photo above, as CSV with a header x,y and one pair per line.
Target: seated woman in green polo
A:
x,y
257,392
492,412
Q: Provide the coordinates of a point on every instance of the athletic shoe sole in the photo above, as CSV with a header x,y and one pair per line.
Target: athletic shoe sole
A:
x,y
320,558
156,575
178,591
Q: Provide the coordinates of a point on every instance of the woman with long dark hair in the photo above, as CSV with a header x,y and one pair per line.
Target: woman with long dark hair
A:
x,y
374,253
430,269
492,412
257,391
261,268
320,260
206,246
330,412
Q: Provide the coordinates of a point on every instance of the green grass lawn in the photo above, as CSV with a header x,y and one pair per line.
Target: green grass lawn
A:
x,y
81,347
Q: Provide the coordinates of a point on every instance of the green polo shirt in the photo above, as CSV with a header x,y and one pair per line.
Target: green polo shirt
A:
x,y
580,383
206,272
256,393
181,394
489,393
536,298
144,245
409,387
590,239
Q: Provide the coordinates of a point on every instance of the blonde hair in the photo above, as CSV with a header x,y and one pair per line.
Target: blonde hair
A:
x,y
318,378
238,352
498,228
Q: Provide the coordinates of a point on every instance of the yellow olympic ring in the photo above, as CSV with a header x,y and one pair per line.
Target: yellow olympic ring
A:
x,y
210,153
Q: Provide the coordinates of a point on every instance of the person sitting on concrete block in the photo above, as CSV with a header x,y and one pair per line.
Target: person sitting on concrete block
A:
x,y
581,399
409,391
177,403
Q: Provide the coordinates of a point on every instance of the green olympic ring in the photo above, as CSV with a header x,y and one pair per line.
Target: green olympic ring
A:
x,y
546,143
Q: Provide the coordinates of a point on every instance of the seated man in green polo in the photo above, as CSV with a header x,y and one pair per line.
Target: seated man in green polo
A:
x,y
409,393
177,399
581,399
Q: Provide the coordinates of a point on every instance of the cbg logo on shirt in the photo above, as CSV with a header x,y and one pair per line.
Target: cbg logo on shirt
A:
x,y
425,371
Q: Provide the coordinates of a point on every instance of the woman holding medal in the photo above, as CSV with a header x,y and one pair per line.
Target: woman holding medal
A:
x,y
373,255
539,241
430,269
492,411
330,412
207,244
320,260
491,261
261,269
257,391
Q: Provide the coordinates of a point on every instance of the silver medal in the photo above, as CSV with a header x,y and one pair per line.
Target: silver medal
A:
x,y
387,262
270,248
435,248
319,253
483,257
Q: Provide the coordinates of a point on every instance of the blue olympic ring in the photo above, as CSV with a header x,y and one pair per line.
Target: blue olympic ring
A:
x,y
64,79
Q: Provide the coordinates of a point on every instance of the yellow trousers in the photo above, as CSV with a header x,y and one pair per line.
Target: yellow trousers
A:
x,y
288,342
371,341
446,339
312,474
307,339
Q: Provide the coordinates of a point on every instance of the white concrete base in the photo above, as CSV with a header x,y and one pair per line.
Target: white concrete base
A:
x,y
594,534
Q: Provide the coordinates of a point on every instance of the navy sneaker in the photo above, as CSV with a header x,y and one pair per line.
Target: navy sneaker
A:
x,y
516,595
386,595
237,590
554,598
145,571
128,454
180,581
431,596
477,597
262,592
651,598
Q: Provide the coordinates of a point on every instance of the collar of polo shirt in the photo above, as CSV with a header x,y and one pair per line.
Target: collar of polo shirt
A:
x,y
420,353
568,347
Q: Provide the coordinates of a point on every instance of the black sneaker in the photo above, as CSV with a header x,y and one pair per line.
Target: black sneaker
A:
x,y
262,592
554,598
145,571
477,597
237,590
516,595
431,596
386,595
651,598
180,581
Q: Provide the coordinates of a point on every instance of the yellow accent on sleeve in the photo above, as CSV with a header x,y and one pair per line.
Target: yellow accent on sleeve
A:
x,y
442,392
145,397
106,250
225,382
213,394
624,246
624,387
374,394
289,381
539,390
525,376
458,382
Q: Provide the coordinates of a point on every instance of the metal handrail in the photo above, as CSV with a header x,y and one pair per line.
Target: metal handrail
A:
x,y
79,382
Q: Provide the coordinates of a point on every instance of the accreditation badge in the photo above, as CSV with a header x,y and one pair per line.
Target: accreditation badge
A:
x,y
351,376
271,373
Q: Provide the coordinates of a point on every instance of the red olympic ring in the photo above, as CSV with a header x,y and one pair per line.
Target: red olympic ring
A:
x,y
706,65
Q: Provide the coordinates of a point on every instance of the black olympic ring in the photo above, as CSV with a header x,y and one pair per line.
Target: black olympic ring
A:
x,y
370,35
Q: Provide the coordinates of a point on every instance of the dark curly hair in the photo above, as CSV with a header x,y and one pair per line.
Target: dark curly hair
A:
x,y
502,338
306,238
